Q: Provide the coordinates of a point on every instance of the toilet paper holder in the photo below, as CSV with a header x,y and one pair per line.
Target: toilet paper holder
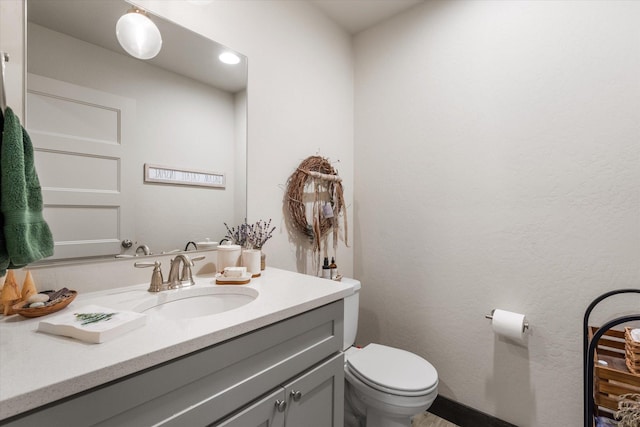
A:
x,y
525,325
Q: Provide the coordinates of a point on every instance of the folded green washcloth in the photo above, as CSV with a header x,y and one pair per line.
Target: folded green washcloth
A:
x,y
25,236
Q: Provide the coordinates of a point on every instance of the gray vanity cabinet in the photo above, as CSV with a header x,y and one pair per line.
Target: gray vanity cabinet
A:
x,y
314,399
235,383
263,413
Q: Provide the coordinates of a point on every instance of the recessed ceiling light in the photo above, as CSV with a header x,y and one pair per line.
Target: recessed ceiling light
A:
x,y
229,58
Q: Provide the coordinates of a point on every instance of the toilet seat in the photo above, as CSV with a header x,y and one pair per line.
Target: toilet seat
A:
x,y
393,371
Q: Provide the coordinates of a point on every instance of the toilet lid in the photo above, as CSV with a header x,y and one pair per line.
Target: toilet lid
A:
x,y
393,370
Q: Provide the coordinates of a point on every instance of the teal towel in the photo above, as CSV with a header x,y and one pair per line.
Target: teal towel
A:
x,y
25,235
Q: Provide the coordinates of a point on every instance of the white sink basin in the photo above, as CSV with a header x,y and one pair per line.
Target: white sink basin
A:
x,y
194,302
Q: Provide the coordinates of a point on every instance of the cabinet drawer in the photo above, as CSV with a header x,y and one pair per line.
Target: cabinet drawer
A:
x,y
206,385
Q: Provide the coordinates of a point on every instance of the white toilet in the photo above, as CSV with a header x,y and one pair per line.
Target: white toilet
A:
x,y
385,386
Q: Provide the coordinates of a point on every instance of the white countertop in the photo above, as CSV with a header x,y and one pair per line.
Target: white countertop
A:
x,y
38,368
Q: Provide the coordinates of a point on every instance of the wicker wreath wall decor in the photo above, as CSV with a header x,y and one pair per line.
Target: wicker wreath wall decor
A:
x,y
328,201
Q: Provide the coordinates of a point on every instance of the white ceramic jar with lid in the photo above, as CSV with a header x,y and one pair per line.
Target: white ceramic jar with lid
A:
x,y
228,256
207,244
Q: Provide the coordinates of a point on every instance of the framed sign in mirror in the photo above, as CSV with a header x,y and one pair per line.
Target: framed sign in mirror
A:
x,y
180,176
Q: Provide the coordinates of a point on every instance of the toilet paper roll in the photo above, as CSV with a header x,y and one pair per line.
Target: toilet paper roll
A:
x,y
251,260
508,324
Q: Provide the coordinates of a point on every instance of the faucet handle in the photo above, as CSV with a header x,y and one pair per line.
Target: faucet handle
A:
x,y
143,264
157,281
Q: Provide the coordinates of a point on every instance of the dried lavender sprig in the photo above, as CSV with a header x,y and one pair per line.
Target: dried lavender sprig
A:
x,y
87,318
250,235
239,236
261,233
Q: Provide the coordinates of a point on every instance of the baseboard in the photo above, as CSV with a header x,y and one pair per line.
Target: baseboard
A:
x,y
464,416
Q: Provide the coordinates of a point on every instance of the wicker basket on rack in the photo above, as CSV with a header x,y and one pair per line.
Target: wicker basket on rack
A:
x,y
612,379
631,352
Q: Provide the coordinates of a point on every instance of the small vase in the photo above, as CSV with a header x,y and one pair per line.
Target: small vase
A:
x,y
251,259
263,260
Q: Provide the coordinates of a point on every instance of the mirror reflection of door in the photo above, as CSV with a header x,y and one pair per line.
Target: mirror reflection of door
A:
x,y
79,137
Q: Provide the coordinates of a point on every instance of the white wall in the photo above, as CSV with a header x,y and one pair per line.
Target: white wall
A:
x,y
498,166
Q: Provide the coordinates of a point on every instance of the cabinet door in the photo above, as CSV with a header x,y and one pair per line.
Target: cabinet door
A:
x,y
263,413
316,398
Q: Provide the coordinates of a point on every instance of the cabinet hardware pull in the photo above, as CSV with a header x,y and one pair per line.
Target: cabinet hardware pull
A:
x,y
296,395
281,405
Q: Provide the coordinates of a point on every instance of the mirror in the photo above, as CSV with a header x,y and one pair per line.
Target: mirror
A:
x,y
97,116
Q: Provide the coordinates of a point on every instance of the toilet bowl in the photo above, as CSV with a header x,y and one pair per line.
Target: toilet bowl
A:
x,y
384,386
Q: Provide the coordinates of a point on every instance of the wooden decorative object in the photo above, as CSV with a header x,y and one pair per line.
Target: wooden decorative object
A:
x,y
614,379
232,282
47,309
10,293
28,287
317,170
222,280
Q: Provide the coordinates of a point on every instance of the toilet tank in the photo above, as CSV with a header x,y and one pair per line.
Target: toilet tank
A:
x,y
351,307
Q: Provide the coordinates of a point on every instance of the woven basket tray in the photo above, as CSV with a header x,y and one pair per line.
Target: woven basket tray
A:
x,y
631,352
22,309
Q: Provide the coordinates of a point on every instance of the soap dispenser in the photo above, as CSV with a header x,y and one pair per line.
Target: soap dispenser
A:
x,y
333,268
326,270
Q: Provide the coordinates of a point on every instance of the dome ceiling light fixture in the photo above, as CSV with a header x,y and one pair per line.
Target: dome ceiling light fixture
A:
x,y
138,35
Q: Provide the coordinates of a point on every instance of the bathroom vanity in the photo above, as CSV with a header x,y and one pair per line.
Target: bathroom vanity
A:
x,y
276,359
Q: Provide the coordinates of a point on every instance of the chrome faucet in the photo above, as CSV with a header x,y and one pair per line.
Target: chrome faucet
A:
x,y
177,279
